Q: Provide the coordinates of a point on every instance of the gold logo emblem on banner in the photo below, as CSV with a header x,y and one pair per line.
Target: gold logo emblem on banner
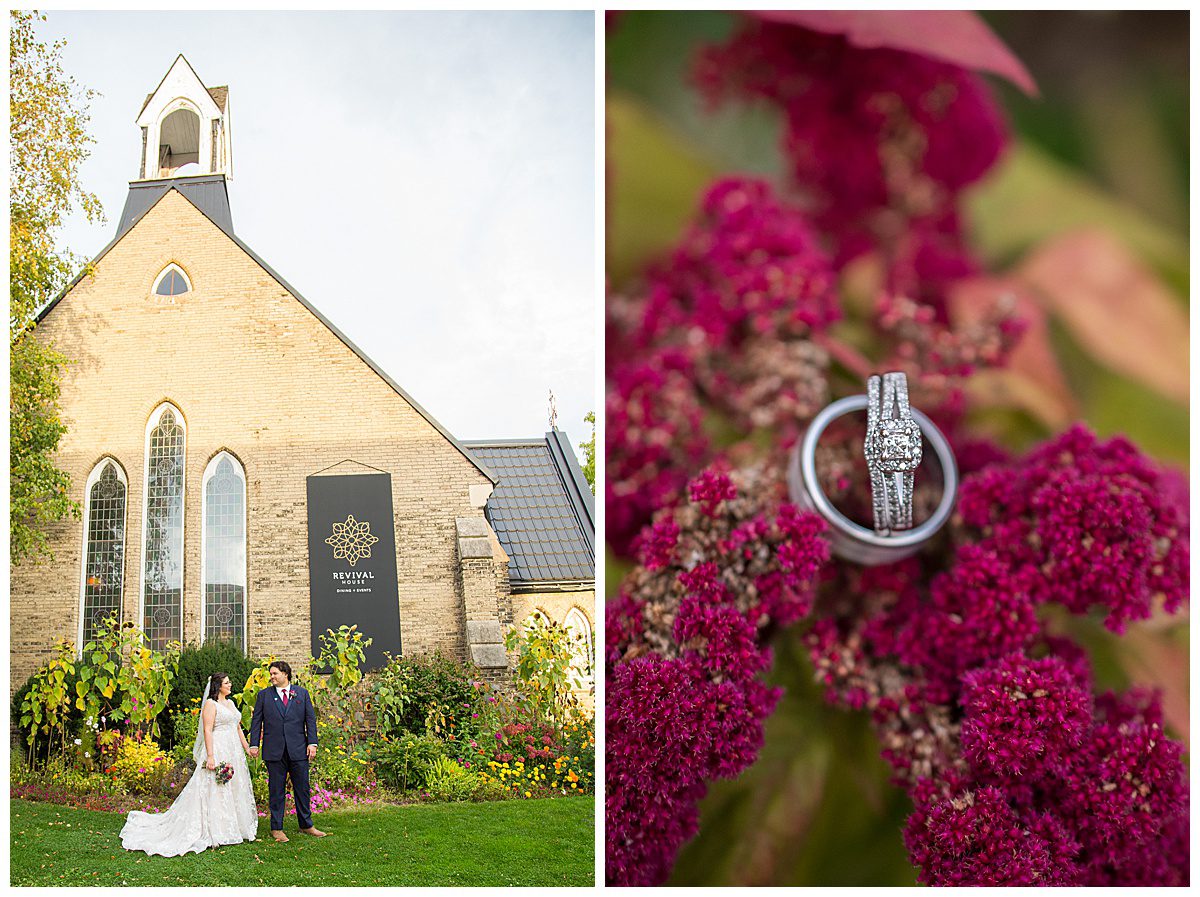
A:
x,y
352,540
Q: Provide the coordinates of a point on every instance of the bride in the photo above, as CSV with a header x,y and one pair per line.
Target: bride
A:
x,y
206,813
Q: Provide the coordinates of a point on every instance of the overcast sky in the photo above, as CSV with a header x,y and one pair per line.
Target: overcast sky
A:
x,y
426,180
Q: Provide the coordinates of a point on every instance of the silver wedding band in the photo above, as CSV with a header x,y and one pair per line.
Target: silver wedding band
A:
x,y
850,540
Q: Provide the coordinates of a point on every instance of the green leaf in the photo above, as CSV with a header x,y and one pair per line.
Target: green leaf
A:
x,y
1030,198
655,182
815,809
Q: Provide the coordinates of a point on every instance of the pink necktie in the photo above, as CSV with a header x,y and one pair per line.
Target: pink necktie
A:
x,y
285,698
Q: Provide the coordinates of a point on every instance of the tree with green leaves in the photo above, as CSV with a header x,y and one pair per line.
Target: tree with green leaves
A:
x,y
48,143
589,452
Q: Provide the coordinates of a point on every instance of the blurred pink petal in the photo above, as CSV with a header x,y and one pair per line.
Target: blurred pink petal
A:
x,y
1032,378
1114,306
956,36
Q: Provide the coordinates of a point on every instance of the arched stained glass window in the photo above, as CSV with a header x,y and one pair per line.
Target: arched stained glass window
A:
x,y
162,573
581,634
104,548
224,565
172,282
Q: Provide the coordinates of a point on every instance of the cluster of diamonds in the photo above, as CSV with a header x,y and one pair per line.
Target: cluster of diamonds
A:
x,y
892,449
894,445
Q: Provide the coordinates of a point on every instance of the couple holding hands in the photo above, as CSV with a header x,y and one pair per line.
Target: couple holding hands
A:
x,y
217,807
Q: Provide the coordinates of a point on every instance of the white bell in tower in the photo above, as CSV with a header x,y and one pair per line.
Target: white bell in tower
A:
x,y
185,127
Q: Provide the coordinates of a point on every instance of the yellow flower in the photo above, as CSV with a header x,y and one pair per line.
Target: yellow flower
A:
x,y
527,794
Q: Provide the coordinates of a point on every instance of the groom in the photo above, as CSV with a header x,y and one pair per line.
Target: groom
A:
x,y
286,724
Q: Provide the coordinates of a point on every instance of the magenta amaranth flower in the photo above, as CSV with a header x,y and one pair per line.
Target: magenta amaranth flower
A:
x,y
726,641
709,489
987,719
937,353
669,729
656,545
878,138
735,542
749,265
977,611
1124,790
722,327
977,838
741,296
1021,714
654,440
622,626
686,642
1092,520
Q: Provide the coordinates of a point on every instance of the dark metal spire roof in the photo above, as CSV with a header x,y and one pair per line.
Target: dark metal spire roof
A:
x,y
542,509
207,192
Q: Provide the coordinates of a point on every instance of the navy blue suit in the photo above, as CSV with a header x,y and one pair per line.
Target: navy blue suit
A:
x,y
285,734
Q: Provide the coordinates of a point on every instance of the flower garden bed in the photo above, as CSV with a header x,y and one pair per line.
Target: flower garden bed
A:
x,y
420,730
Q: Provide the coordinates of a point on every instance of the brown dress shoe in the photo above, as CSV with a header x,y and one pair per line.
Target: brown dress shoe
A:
x,y
278,835
314,831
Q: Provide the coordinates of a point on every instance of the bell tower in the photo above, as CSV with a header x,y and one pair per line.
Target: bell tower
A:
x,y
185,127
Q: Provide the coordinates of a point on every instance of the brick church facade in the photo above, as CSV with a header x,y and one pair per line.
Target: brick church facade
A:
x,y
203,393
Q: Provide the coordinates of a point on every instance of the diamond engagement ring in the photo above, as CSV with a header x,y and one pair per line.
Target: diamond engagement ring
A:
x,y
894,449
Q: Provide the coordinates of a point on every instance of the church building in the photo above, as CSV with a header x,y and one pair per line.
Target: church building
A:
x,y
246,473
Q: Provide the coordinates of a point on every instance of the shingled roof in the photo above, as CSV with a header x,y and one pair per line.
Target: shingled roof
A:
x,y
541,509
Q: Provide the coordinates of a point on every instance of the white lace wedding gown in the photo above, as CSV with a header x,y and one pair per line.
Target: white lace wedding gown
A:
x,y
206,814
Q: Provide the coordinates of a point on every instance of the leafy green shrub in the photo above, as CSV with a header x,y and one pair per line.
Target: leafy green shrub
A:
x,y
119,660
40,744
182,727
547,676
46,706
60,777
141,767
196,664
491,789
446,780
342,655
403,764
431,693
181,753
259,781
81,750
339,762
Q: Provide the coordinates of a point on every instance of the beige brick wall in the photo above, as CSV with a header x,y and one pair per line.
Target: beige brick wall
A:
x,y
254,372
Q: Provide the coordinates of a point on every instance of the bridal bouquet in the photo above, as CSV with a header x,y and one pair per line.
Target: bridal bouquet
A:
x,y
224,773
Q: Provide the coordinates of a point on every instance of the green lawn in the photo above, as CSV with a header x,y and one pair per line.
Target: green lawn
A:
x,y
535,842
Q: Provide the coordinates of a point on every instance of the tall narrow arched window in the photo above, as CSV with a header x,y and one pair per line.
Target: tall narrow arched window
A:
x,y
580,629
162,528
103,547
223,565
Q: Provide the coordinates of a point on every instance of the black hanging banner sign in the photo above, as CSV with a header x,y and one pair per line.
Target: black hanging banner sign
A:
x,y
352,560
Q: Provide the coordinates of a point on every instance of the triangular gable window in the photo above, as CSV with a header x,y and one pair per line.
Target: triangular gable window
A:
x,y
172,282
